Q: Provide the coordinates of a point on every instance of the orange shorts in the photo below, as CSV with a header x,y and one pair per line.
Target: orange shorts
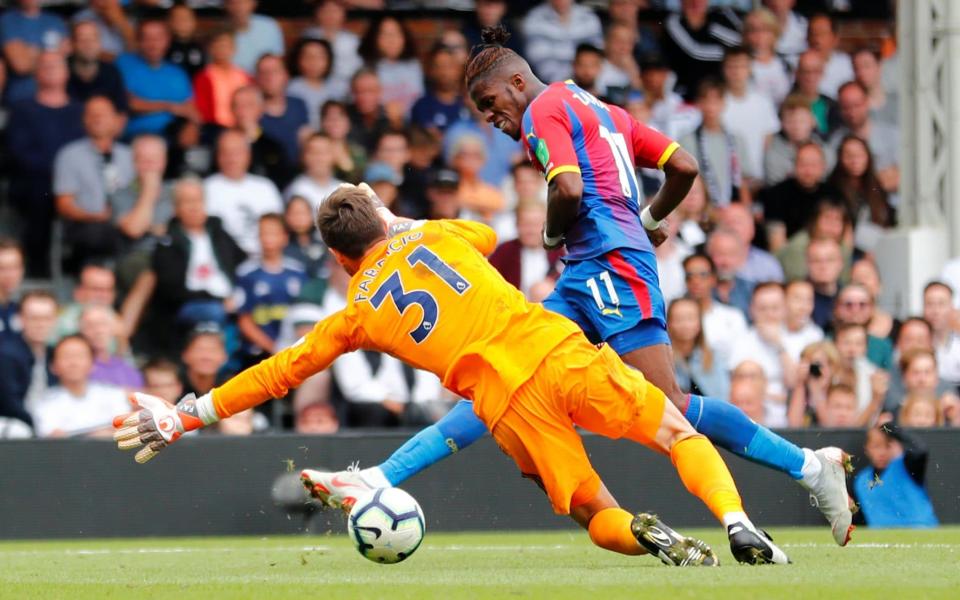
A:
x,y
575,385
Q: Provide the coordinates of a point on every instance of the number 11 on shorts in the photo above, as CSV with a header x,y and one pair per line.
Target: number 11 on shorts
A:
x,y
612,296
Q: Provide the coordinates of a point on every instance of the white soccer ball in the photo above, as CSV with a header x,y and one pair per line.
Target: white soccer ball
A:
x,y
386,525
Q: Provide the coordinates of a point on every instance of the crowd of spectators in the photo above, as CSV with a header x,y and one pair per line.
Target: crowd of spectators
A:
x,y
163,171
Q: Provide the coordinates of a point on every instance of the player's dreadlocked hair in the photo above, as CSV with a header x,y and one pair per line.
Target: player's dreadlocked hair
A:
x,y
490,53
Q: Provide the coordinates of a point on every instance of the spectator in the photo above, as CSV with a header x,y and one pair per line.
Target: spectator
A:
x,y
311,63
477,196
748,392
620,71
96,285
314,416
667,109
824,266
747,114
793,29
699,369
764,344
11,278
870,382
523,262
26,32
670,255
823,39
808,77
388,49
367,115
490,13
798,129
161,378
86,173
587,64
883,140
693,215
423,153
393,149
855,305
442,104
625,14
694,41
717,151
266,288
920,411
840,407
915,335
77,406
185,50
237,197
196,262
801,331
829,221
442,197
37,128
760,265
306,246
141,210
115,29
385,182
723,325
899,461
204,358
317,181
158,91
919,373
89,74
552,31
938,311
349,158
884,105
858,186
791,204
25,372
882,325
215,84
268,157
454,41
284,117
329,19
502,151
100,326
820,367
729,253
771,74
256,35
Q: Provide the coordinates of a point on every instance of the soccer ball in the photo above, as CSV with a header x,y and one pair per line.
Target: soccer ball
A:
x,y
386,525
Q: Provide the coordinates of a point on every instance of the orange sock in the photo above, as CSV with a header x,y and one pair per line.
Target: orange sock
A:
x,y
705,475
610,529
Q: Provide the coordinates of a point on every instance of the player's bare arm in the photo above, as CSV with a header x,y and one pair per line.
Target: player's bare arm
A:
x,y
680,170
563,205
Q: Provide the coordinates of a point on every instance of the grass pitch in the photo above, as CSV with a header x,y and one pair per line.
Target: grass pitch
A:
x,y
908,564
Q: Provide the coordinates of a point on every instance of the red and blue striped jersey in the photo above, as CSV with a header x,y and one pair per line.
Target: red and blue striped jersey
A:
x,y
566,129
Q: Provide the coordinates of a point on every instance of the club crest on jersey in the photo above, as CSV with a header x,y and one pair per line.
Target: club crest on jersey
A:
x,y
543,155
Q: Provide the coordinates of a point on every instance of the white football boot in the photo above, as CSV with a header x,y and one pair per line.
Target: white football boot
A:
x,y
340,489
828,492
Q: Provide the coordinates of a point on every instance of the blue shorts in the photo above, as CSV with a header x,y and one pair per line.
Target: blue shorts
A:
x,y
615,298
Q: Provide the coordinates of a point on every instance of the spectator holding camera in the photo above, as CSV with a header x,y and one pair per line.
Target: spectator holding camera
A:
x,y
820,366
700,370
898,460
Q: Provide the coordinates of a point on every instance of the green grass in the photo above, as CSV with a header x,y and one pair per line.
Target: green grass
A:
x,y
908,564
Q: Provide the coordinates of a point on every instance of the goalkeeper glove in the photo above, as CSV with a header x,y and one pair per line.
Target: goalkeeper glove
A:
x,y
156,424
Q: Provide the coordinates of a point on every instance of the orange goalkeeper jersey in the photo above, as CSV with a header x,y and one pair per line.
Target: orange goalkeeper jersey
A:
x,y
430,298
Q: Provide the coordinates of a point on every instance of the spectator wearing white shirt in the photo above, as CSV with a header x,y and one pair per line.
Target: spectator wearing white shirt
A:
x,y
620,68
801,330
723,325
770,73
552,31
317,181
793,29
238,198
329,17
763,344
255,35
837,67
938,311
667,110
76,406
747,113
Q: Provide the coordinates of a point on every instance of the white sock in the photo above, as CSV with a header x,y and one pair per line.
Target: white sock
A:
x,y
811,468
375,478
736,517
